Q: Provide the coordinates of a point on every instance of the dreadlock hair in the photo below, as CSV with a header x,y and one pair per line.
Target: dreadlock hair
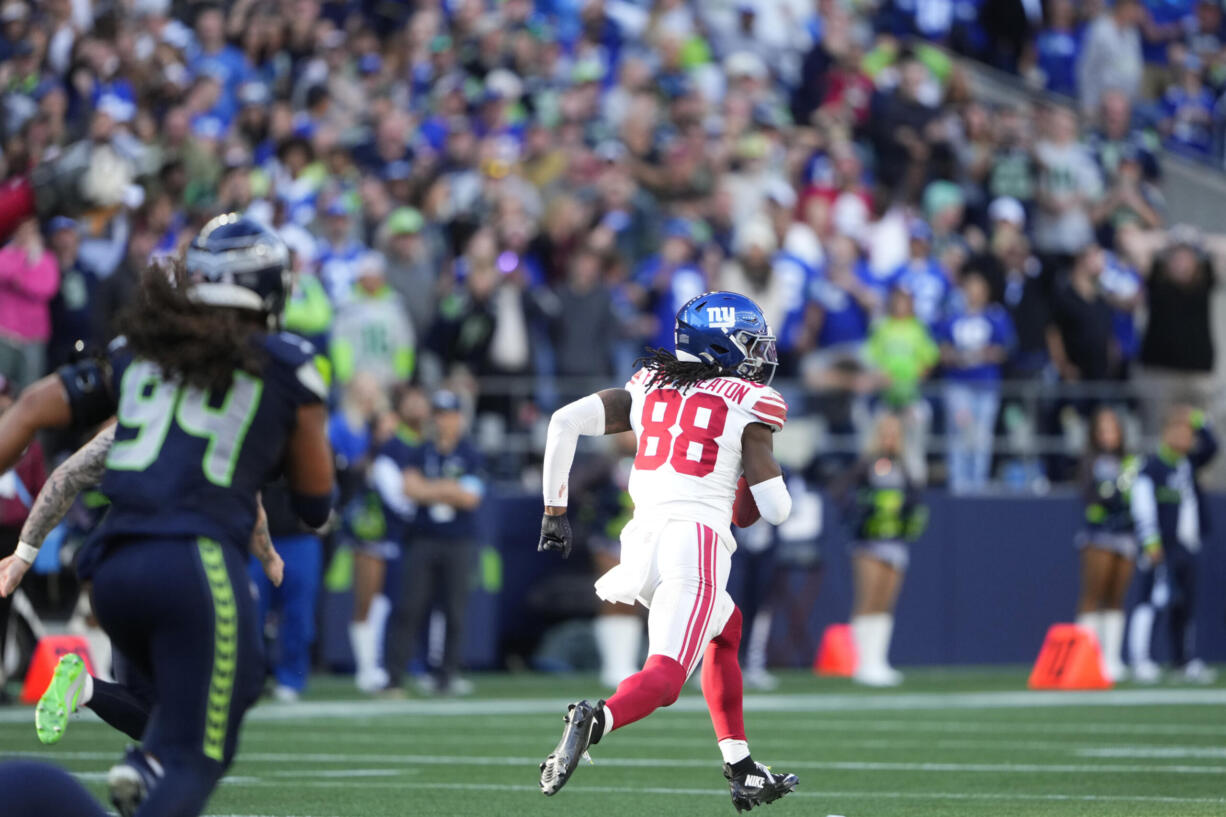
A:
x,y
192,343
666,370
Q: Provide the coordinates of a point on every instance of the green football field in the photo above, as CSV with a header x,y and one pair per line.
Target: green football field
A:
x,y
948,743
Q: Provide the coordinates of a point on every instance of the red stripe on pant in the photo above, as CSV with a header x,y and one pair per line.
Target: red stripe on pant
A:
x,y
705,604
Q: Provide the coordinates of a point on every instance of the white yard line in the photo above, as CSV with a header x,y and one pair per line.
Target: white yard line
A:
x,y
1155,752
808,702
1005,741
580,789
637,762
762,703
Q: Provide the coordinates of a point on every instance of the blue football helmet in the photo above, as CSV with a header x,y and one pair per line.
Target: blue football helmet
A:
x,y
239,263
730,331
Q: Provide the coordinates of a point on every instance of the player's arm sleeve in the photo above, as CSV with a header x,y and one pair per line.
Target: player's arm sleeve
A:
x,y
1144,509
585,417
81,471
773,500
89,387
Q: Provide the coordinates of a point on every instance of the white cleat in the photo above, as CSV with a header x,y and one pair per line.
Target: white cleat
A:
x,y
1146,672
371,681
284,694
1198,672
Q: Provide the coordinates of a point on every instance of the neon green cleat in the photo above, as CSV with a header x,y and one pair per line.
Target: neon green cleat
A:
x,y
60,700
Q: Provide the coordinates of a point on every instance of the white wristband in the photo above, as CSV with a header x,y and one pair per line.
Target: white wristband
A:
x,y
26,553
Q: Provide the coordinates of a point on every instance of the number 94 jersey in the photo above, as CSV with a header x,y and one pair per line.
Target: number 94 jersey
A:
x,y
186,462
688,459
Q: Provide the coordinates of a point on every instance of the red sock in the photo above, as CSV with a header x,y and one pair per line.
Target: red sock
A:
x,y
721,681
657,684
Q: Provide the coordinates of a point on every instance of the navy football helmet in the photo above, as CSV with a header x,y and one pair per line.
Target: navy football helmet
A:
x,y
728,330
239,263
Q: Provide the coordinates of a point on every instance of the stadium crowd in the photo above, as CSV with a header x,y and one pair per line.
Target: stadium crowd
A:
x,y
521,195
511,200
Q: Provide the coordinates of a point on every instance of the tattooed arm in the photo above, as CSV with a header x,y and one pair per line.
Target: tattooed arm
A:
x,y
81,471
262,549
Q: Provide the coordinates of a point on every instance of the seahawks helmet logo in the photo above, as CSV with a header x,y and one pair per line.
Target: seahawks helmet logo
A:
x,y
721,317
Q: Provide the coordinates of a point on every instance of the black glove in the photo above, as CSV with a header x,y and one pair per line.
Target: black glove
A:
x,y
555,534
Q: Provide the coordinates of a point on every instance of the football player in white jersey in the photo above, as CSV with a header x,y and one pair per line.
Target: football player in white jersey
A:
x,y
704,420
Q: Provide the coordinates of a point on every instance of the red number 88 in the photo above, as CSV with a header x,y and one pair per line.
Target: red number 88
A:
x,y
659,429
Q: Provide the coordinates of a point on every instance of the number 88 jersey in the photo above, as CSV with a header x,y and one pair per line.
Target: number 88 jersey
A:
x,y
688,459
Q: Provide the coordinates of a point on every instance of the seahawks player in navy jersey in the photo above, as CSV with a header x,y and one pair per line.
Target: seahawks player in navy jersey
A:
x,y
211,405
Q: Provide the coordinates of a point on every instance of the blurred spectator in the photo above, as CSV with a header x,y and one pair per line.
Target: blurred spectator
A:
x,y
842,303
1068,185
1010,27
924,277
903,350
1114,138
1083,348
1124,290
1187,107
372,334
1012,172
585,326
1025,298
975,342
72,308
412,269
340,251
484,326
1059,48
1129,201
1177,353
902,128
667,280
29,279
443,477
1112,56
309,311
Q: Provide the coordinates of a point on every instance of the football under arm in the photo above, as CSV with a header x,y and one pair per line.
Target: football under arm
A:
x,y
763,473
606,412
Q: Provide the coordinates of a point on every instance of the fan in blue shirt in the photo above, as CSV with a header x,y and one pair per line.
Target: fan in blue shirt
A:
x,y
978,337
1058,47
924,278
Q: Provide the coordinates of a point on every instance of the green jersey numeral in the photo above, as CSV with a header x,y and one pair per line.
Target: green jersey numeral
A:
x,y
149,404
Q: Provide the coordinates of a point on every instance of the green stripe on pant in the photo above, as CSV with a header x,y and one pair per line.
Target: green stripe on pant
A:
x,y
225,648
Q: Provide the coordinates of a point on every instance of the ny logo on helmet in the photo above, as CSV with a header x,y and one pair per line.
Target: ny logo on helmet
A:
x,y
721,317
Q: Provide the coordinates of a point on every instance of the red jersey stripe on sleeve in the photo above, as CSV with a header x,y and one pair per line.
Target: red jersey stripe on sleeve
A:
x,y
770,408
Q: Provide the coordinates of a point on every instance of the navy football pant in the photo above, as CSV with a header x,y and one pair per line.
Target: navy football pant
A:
x,y
1178,604
295,601
33,789
182,612
126,702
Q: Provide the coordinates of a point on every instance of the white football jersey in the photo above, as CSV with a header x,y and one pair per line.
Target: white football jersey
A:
x,y
688,460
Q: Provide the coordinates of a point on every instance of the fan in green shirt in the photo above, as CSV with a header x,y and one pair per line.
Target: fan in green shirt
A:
x,y
902,348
